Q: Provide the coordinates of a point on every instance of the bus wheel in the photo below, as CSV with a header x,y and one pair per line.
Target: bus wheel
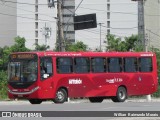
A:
x,y
61,96
121,95
95,99
35,101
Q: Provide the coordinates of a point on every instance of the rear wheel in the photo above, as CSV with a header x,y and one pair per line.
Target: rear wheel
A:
x,y
61,96
35,101
96,99
121,95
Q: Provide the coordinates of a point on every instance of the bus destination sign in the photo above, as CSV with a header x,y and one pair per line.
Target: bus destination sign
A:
x,y
22,56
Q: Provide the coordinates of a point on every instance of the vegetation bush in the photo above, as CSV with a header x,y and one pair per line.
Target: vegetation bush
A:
x,y
3,85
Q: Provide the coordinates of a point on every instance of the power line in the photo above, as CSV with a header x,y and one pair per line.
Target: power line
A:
x,y
24,17
109,11
152,32
26,10
116,3
21,3
73,13
72,16
124,28
117,12
119,28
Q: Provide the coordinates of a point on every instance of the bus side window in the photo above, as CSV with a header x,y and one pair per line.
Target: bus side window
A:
x,y
64,65
130,64
81,65
114,65
46,66
98,65
145,64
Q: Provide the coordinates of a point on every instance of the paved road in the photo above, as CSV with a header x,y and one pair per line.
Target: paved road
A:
x,y
49,106
83,106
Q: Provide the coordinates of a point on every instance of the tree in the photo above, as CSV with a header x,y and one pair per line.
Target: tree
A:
x,y
132,43
19,45
114,43
128,44
79,46
41,47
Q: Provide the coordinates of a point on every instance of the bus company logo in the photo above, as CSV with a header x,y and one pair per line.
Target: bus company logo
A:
x,y
68,54
75,81
146,55
114,80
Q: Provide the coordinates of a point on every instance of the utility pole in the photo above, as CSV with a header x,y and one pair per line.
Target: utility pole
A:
x,y
100,46
141,24
60,35
142,2
60,41
141,30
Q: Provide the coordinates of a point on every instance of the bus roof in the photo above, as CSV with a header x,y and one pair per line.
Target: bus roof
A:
x,y
90,54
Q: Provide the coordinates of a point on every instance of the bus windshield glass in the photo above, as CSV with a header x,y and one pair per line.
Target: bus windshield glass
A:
x,y
23,70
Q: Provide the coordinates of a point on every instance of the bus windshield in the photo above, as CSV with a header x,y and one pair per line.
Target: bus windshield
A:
x,y
23,71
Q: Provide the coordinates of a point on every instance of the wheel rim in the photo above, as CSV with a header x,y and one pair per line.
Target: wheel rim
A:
x,y
60,95
122,95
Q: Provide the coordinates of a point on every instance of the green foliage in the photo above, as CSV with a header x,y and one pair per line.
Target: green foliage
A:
x,y
157,51
41,47
117,44
113,43
19,45
3,84
79,46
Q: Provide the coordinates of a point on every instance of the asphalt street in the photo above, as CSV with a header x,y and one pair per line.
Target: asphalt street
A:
x,y
82,105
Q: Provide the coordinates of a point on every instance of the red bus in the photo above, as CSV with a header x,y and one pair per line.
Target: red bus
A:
x,y
40,76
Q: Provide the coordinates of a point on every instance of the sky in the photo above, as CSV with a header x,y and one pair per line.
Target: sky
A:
x,y
91,37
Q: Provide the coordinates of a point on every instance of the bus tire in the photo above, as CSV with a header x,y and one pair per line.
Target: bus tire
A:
x,y
35,101
95,99
121,95
61,96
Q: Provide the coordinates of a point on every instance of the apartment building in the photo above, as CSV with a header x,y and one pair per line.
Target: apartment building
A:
x,y
152,23
118,17
68,12
122,17
37,23
8,20
33,20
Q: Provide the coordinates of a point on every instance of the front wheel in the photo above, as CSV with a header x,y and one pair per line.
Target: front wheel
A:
x,y
61,96
121,95
35,101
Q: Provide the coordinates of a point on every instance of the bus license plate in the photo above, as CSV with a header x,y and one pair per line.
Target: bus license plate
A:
x,y
20,95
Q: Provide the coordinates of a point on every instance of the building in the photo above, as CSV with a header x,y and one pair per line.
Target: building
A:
x,y
152,23
122,18
37,23
118,17
8,20
31,19
68,12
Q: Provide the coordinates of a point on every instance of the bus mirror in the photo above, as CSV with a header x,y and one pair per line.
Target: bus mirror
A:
x,y
45,75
